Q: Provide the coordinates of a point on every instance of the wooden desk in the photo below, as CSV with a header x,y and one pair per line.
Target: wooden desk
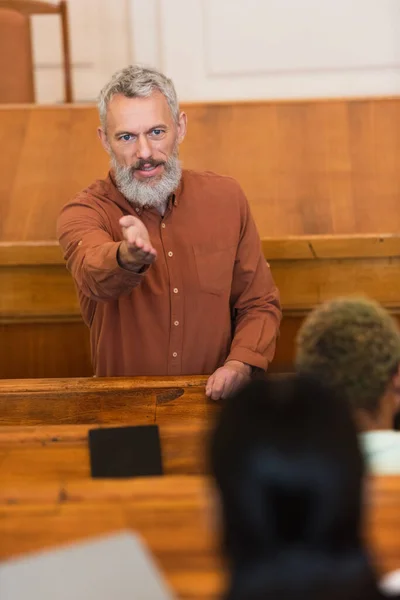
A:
x,y
170,514
60,453
175,516
98,401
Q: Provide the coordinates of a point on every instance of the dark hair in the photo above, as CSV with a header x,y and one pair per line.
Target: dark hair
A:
x,y
286,460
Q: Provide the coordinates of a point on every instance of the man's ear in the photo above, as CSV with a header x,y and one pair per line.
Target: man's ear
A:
x,y
182,127
104,140
396,387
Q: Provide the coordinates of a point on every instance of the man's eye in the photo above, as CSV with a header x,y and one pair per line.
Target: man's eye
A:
x,y
126,137
157,132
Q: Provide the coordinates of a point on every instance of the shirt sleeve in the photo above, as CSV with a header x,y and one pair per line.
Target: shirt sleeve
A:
x,y
91,253
254,299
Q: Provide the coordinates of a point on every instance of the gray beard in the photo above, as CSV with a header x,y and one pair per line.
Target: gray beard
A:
x,y
143,193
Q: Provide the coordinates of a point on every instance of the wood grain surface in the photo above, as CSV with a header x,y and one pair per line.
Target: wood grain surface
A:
x,y
176,517
104,400
307,167
60,453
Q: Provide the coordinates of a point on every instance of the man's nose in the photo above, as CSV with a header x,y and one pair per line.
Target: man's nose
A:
x,y
143,148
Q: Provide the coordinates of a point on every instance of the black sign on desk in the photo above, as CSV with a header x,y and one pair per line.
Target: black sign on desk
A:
x,y
125,452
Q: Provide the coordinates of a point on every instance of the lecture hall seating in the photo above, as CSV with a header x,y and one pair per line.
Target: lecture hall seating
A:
x,y
322,178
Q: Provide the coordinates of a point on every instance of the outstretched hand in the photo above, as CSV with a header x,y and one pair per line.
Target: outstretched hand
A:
x,y
136,249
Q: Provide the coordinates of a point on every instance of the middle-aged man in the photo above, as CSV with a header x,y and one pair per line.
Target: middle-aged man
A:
x,y
167,263
353,345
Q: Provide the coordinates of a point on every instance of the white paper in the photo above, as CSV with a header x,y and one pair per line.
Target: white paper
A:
x,y
116,567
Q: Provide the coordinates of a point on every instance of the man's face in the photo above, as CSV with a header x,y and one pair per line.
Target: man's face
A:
x,y
142,139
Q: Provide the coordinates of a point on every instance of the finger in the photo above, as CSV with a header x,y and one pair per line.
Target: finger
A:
x,y
231,384
209,385
140,253
131,234
218,387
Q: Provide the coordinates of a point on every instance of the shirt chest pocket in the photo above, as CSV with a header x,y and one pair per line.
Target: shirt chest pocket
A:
x,y
214,268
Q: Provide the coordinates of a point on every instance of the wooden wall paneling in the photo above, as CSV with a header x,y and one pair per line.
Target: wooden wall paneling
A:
x,y
308,167
55,153
44,349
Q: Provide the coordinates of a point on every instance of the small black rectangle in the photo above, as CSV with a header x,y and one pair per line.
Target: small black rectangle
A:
x,y
125,452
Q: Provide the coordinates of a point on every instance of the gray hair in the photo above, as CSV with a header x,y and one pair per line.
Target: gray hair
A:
x,y
137,82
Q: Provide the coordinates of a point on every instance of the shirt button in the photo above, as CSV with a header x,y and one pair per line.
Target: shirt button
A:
x,y
174,354
163,225
176,290
176,323
170,253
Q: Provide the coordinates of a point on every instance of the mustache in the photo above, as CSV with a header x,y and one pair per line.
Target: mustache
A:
x,y
141,163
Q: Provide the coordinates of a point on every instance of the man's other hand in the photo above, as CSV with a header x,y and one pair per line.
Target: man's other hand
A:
x,y
228,379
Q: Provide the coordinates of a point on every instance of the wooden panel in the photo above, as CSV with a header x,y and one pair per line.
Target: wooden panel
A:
x,y
308,167
360,246
22,254
305,283
44,350
60,453
108,400
311,247
52,152
176,518
37,292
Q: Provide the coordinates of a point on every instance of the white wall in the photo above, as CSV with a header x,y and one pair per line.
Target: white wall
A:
x,y
234,49
100,44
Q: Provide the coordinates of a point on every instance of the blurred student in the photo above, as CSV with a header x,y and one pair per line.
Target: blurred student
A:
x,y
353,345
289,472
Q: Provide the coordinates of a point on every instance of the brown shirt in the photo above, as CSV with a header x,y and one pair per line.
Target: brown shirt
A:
x,y
208,297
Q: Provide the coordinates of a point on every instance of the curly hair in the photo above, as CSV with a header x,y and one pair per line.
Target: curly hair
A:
x,y
353,345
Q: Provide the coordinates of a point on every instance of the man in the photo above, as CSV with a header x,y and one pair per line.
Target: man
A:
x,y
354,346
167,263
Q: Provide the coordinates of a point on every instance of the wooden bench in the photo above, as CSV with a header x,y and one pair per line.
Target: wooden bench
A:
x,y
60,453
174,515
100,401
39,307
44,423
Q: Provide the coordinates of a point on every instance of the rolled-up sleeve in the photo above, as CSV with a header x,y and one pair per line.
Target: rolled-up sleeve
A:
x,y
91,253
255,299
